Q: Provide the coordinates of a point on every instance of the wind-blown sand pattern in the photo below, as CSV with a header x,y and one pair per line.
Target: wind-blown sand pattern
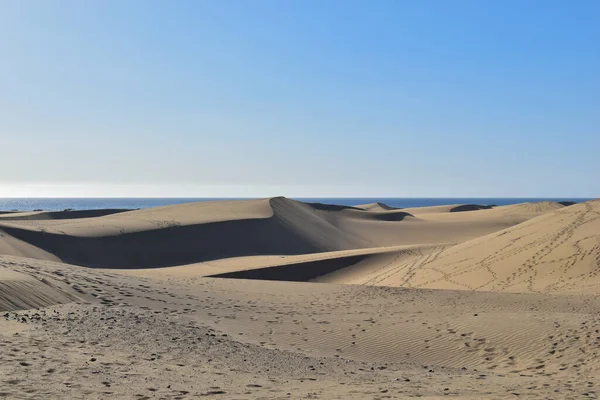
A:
x,y
331,302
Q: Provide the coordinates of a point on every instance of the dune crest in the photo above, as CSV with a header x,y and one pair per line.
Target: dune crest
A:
x,y
378,206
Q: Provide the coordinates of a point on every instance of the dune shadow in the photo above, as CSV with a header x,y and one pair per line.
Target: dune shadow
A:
x,y
386,207
567,203
471,207
300,272
170,246
333,207
391,216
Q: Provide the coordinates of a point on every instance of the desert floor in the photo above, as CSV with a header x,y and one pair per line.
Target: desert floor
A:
x,y
280,299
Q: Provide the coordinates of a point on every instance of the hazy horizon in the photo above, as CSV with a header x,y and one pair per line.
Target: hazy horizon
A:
x,y
151,191
302,99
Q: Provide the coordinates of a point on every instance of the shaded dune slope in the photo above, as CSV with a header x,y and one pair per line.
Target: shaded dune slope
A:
x,y
297,272
335,267
558,252
392,216
16,247
470,207
293,228
331,207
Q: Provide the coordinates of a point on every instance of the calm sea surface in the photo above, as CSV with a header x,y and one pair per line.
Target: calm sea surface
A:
x,y
54,204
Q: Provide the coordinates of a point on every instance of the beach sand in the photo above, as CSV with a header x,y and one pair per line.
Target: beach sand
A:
x,y
276,298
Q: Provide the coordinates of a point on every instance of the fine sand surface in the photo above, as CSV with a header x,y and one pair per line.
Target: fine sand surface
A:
x,y
281,299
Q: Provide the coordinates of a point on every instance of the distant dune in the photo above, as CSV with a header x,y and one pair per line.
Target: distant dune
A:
x,y
43,215
538,207
377,207
470,207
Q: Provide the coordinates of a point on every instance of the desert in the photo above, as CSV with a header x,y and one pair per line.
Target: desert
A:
x,y
277,298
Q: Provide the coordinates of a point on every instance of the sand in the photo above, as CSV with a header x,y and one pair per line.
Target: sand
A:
x,y
276,298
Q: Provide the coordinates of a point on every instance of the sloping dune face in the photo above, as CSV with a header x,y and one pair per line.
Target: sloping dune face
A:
x,y
556,252
19,291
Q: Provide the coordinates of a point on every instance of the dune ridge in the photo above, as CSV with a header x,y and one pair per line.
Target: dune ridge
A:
x,y
377,206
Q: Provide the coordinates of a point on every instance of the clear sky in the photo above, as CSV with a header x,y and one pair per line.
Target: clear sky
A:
x,y
300,98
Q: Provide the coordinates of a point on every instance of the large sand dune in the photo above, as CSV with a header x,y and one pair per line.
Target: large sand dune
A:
x,y
197,232
558,251
327,302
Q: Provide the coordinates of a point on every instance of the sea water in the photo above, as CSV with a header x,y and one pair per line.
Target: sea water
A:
x,y
58,204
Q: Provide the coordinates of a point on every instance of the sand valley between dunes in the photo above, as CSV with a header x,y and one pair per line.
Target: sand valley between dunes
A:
x,y
280,299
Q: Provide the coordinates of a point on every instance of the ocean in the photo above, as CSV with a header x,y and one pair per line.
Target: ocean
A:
x,y
58,204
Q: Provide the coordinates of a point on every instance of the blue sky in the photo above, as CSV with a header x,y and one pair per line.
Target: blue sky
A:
x,y
300,98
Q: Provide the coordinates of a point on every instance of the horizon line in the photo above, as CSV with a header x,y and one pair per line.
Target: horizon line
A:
x,y
294,197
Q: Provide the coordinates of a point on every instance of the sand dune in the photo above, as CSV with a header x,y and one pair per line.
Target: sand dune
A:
x,y
43,215
558,252
10,245
368,266
183,235
197,232
376,207
519,209
326,301
136,337
21,291
541,206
